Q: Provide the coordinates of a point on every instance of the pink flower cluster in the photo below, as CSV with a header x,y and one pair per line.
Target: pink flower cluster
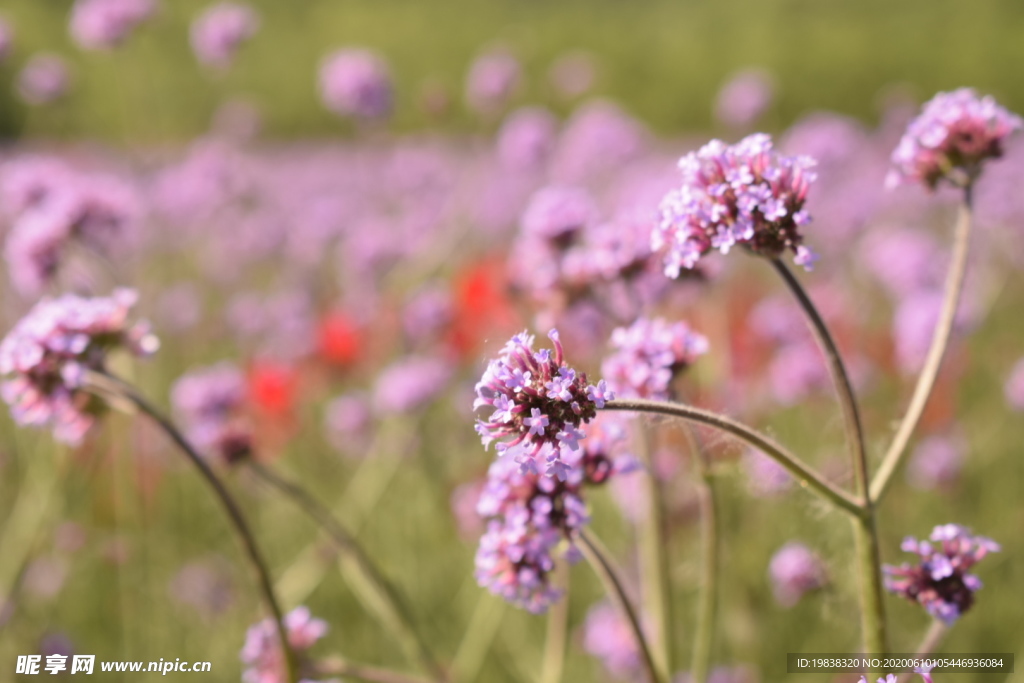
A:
x,y
794,571
648,355
48,351
940,582
220,30
744,194
956,131
261,654
211,404
538,401
356,82
43,80
492,80
105,24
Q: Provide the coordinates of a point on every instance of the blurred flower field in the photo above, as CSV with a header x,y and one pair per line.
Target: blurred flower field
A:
x,y
280,243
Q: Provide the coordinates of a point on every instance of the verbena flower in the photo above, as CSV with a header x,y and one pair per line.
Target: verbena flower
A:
x,y
356,82
608,636
795,570
43,80
261,654
538,401
936,462
527,138
744,194
743,100
410,384
105,24
954,135
492,80
211,404
46,354
220,30
940,582
648,355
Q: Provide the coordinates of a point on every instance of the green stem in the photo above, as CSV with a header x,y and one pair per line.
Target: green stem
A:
x,y
704,635
802,472
558,629
936,352
617,593
393,606
105,383
872,604
657,585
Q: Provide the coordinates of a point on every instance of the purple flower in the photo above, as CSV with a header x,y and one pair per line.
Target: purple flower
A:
x,y
47,352
936,462
6,39
43,80
411,383
956,132
105,24
210,403
558,213
538,401
492,80
1014,387
608,636
744,194
261,654
794,571
743,100
220,30
648,355
527,138
572,74
356,82
765,476
347,421
940,582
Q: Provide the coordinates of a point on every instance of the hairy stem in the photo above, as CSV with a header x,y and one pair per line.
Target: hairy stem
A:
x,y
802,472
936,352
105,383
617,593
872,605
398,614
656,586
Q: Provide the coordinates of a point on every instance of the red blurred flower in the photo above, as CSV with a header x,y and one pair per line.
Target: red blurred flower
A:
x,y
339,339
272,387
481,304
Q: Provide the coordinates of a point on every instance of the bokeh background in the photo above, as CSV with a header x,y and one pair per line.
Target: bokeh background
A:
x,y
300,245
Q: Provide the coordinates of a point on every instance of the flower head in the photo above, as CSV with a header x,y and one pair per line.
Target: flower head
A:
x,y
261,654
743,100
491,81
46,355
940,582
43,80
538,401
356,82
794,571
956,132
608,636
105,24
744,194
648,355
211,403
220,30
411,383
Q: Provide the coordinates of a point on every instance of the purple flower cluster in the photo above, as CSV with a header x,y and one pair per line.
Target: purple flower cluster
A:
x,y
743,100
745,194
608,636
940,582
48,351
538,401
220,30
105,24
43,80
261,654
356,82
648,355
492,80
956,132
210,402
408,384
794,571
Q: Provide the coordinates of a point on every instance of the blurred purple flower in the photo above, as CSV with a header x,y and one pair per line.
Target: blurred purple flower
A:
x,y
1014,387
220,30
43,80
608,636
527,138
940,582
261,654
427,314
492,81
6,39
572,74
903,260
597,140
558,214
794,571
105,24
205,586
744,98
765,476
210,402
410,384
48,351
648,355
956,131
356,82
347,421
936,462
745,194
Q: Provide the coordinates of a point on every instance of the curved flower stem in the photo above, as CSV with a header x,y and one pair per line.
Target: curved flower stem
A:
x,y
929,644
703,638
933,361
362,672
106,383
617,593
656,587
391,603
872,603
558,627
802,472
